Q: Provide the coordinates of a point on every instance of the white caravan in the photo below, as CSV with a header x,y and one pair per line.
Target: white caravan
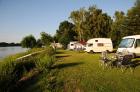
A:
x,y
75,45
99,45
131,44
71,45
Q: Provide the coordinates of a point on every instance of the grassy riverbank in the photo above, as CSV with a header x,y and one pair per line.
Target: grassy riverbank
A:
x,y
32,74
80,72
64,71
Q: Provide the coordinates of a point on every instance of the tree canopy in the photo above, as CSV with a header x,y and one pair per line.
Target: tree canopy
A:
x,y
91,23
132,21
46,38
28,41
66,33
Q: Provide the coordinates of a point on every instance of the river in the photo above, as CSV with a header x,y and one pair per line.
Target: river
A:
x,y
6,51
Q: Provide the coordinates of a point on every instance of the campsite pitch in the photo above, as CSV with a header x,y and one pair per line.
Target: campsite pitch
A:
x,y
80,72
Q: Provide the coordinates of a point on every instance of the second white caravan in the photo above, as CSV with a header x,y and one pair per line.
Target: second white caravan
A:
x,y
99,45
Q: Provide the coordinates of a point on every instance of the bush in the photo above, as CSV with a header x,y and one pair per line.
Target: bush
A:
x,y
45,63
12,70
7,76
50,51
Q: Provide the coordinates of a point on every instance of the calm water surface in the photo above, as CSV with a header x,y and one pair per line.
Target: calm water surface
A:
x,y
6,51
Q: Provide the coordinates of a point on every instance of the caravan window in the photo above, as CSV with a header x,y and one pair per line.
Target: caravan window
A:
x,y
72,44
138,43
96,40
100,44
90,44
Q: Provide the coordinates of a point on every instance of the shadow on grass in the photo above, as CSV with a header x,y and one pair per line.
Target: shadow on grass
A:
x,y
65,65
28,84
59,52
135,63
62,56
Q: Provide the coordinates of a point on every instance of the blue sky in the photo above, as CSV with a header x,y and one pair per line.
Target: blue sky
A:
x,y
19,18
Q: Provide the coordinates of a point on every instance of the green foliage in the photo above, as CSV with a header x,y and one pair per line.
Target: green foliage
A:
x,y
64,40
132,22
51,84
117,28
12,70
50,51
125,25
91,23
7,78
45,63
38,43
46,38
66,33
28,41
78,17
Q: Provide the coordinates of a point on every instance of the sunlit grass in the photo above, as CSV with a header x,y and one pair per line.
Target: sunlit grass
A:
x,y
81,73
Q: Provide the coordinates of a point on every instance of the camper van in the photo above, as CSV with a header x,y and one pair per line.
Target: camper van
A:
x,y
99,45
131,44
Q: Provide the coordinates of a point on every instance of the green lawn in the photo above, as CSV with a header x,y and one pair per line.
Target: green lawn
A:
x,y
81,72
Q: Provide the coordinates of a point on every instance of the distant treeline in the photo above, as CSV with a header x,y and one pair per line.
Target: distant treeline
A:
x,y
5,44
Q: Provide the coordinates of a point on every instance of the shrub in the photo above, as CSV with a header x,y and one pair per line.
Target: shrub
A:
x,y
7,75
45,63
50,51
11,71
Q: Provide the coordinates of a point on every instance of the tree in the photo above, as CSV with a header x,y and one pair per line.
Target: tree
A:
x,y
46,38
28,41
132,22
117,27
78,17
64,40
65,33
91,23
98,23
38,43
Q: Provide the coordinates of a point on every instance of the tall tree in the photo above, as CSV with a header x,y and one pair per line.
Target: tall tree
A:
x,y
96,24
91,23
117,27
78,17
132,22
28,41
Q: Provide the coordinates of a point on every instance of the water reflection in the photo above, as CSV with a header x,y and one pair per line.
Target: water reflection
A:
x,y
5,51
